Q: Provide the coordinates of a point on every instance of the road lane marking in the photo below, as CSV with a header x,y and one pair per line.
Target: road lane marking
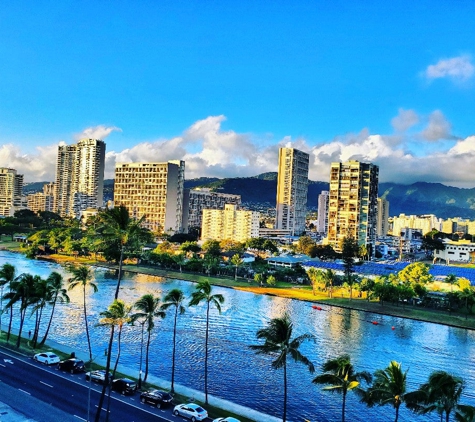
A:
x,y
1,364
46,384
79,417
23,391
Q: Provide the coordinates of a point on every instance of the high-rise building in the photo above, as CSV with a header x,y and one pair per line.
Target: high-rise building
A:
x,y
353,204
196,200
153,191
79,177
383,217
229,224
292,188
422,223
322,218
42,201
11,186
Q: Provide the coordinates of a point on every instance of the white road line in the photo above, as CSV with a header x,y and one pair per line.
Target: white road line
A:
x,y
105,410
23,391
1,364
46,384
79,417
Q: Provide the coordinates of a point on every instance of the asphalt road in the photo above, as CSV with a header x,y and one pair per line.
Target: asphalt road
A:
x,y
27,383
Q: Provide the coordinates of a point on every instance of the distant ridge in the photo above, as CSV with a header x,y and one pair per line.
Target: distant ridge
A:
x,y
417,198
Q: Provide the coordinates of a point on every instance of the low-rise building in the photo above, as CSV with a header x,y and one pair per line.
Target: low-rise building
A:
x,y
461,251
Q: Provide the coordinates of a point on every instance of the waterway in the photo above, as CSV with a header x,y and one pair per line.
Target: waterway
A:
x,y
236,373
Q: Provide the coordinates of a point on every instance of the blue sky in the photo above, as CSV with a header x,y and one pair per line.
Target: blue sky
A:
x,y
224,84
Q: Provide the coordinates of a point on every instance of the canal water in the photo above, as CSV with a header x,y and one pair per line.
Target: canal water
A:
x,y
236,373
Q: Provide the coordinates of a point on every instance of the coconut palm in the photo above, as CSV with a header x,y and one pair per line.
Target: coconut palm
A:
x,y
204,293
329,277
236,260
174,298
278,343
116,315
441,393
39,301
451,279
119,228
7,275
315,276
149,309
340,376
389,387
467,295
56,293
82,278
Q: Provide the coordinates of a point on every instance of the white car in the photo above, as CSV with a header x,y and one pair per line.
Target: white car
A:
x,y
191,411
228,419
48,358
98,376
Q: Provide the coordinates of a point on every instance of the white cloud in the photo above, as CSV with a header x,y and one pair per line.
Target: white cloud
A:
x,y
456,68
97,132
404,120
437,128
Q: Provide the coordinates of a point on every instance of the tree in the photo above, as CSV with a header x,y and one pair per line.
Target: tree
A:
x,y
468,296
56,293
349,250
149,309
190,248
278,343
259,278
329,277
441,393
211,247
417,272
305,243
340,376
7,275
236,261
120,231
315,276
39,300
271,280
179,260
204,293
82,278
174,298
389,387
451,279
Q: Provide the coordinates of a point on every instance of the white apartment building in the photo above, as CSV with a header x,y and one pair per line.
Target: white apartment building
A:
x,y
423,223
461,251
196,200
152,190
229,224
292,189
322,217
79,177
11,186
42,201
353,204
382,227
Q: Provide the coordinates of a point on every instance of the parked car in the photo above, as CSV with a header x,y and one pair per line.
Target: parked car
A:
x,y
228,419
98,376
48,358
124,386
191,411
72,365
156,397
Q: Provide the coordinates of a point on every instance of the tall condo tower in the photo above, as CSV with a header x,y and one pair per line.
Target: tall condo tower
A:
x,y
322,220
292,188
152,190
353,204
11,186
79,177
383,217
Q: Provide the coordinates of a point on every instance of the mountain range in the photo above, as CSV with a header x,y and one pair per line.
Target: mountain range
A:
x,y
260,192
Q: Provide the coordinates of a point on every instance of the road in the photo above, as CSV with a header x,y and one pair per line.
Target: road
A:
x,y
31,381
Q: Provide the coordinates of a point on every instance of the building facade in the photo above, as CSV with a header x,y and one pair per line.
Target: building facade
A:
x,y
423,223
322,217
196,200
353,204
292,189
383,217
11,187
229,224
42,201
153,191
79,177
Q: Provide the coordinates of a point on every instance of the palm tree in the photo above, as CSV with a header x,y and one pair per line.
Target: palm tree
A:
x,y
56,293
119,228
467,295
82,277
179,260
389,387
236,260
315,276
340,376
451,279
329,277
39,301
149,309
174,298
116,315
278,343
441,393
7,275
204,293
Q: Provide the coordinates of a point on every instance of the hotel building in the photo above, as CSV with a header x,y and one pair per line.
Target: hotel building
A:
x,y
11,186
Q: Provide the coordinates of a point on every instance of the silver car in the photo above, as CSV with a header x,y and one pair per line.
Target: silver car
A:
x,y
48,358
191,411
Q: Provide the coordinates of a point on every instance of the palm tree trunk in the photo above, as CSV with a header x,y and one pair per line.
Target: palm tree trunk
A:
x,y
114,371
284,416
206,355
147,349
87,327
397,413
22,320
107,383
119,277
10,324
174,348
50,320
343,408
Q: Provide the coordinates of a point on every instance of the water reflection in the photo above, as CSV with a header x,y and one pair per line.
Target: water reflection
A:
x,y
235,372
